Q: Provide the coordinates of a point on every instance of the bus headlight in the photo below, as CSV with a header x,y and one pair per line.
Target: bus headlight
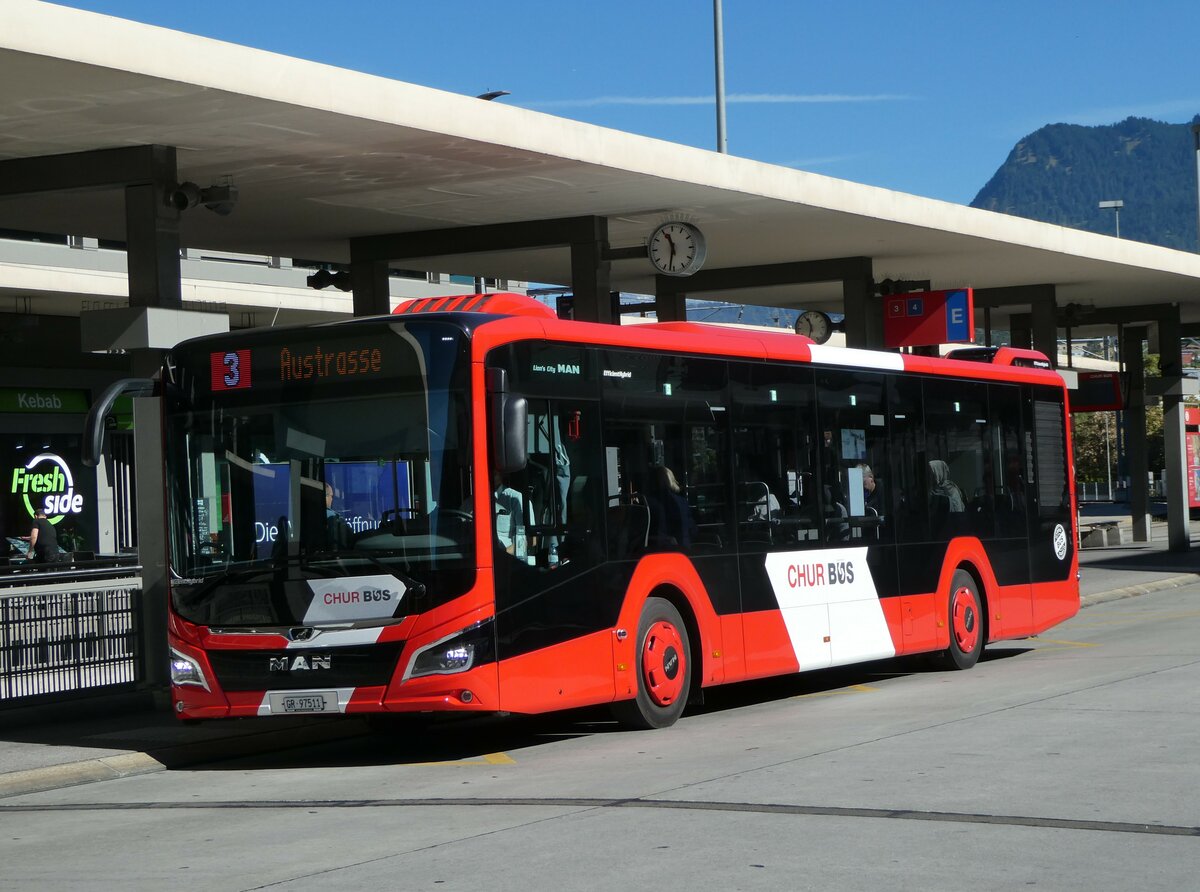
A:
x,y
186,671
457,657
457,653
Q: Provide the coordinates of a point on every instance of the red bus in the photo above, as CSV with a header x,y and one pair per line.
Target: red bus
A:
x,y
472,505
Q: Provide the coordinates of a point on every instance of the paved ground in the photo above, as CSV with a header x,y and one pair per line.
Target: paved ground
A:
x,y
1065,762
133,739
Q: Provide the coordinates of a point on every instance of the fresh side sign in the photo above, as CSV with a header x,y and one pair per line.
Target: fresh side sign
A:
x,y
46,481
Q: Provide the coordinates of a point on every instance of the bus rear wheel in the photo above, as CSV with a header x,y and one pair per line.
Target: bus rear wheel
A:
x,y
664,669
966,620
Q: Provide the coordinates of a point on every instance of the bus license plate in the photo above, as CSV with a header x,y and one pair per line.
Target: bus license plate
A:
x,y
307,701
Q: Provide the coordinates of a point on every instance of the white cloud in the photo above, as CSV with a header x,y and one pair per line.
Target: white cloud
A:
x,y
821,161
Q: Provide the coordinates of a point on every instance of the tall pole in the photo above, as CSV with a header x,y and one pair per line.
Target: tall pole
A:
x,y
1196,134
719,49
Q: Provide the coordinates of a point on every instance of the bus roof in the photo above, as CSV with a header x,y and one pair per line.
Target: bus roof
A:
x,y
523,317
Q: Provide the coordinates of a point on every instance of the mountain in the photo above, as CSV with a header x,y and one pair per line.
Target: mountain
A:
x,y
1060,174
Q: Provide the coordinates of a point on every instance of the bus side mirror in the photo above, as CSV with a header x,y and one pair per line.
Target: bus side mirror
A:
x,y
510,414
93,427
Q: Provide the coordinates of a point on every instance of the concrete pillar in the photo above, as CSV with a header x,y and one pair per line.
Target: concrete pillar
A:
x,y
1020,331
1035,330
1045,329
369,279
670,304
1136,454
152,544
863,309
1170,362
152,237
591,278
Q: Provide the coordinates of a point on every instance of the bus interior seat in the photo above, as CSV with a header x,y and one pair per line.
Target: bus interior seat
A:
x,y
628,526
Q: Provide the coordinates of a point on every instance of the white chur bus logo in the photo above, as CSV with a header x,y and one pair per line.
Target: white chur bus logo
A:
x,y
1060,542
300,663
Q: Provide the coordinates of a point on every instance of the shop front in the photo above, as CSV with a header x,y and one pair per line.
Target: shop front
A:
x,y
40,446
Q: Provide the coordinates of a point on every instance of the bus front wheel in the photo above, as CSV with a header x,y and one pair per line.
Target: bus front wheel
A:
x,y
664,669
965,617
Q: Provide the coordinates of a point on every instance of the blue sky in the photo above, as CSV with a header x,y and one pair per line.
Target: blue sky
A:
x,y
925,97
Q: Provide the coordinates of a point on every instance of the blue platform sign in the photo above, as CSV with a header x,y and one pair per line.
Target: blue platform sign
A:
x,y
958,317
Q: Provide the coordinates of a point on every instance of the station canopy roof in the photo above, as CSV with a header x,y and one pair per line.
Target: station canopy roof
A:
x,y
320,155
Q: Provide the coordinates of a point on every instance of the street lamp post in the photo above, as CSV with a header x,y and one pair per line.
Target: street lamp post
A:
x,y
1116,209
719,52
1196,134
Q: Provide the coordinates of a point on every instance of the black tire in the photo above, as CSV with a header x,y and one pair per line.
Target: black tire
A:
x,y
967,623
664,669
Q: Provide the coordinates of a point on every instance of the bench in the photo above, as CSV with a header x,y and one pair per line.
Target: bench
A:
x,y
1101,533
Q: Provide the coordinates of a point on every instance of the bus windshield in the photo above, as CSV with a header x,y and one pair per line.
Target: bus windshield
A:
x,y
346,454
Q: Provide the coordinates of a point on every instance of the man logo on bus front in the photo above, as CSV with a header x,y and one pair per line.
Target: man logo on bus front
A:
x,y
300,663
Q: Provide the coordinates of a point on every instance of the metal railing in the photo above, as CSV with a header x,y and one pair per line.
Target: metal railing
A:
x,y
1092,491
69,634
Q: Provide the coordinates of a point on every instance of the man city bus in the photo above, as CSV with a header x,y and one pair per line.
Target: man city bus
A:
x,y
474,506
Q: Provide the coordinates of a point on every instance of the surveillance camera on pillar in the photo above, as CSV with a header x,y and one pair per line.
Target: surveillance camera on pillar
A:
x,y
220,199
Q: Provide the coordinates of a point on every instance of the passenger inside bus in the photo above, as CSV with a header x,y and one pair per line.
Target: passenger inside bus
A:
x,y
509,508
947,508
337,531
671,522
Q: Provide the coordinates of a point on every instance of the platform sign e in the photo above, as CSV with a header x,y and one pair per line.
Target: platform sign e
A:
x,y
929,317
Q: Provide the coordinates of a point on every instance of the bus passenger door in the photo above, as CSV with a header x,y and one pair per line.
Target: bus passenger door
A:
x,y
1011,610
553,615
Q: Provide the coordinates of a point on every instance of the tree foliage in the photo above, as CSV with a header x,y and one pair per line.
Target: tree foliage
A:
x,y
1095,435
1060,174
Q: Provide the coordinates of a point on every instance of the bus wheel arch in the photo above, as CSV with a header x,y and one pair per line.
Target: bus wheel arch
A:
x,y
966,618
692,624
664,656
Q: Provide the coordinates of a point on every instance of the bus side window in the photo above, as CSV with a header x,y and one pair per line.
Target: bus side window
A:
x,y
907,468
852,421
956,420
773,457
560,485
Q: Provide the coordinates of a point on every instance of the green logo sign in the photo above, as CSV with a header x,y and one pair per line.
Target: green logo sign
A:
x,y
47,481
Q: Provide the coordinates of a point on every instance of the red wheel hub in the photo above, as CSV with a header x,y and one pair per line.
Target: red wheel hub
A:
x,y
964,619
664,663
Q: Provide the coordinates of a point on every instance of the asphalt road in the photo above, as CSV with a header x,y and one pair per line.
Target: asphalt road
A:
x,y
1065,762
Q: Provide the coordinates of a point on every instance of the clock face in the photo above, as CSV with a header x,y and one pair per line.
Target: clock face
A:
x,y
814,325
677,249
